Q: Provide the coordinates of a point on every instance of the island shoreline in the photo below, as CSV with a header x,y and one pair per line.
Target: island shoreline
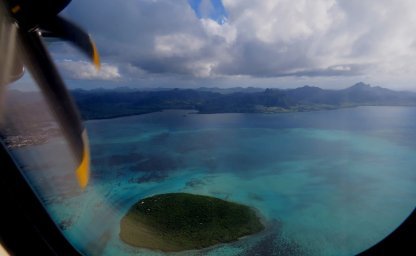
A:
x,y
166,222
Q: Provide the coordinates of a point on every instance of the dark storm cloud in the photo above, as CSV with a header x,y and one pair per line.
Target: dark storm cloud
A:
x,y
129,28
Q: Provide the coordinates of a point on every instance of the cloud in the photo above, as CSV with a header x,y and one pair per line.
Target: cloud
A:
x,y
85,70
177,45
270,38
337,70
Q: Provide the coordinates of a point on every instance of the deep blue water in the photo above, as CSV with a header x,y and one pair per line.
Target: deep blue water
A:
x,y
326,182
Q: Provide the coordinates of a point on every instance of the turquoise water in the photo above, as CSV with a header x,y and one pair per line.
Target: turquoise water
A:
x,y
326,182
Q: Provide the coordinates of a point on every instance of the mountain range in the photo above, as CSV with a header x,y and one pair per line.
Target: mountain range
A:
x,y
108,103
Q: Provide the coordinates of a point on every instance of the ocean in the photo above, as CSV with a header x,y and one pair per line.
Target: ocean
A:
x,y
325,182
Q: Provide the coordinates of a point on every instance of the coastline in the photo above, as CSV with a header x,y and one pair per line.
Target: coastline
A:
x,y
145,226
148,238
285,111
203,113
157,243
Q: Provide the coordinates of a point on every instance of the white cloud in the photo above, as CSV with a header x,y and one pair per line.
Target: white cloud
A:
x,y
225,31
86,70
280,21
341,68
268,38
177,45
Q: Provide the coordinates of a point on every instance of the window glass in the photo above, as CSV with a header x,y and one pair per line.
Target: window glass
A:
x,y
317,179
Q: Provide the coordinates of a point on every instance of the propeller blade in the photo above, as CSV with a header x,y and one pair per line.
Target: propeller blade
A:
x,y
38,61
30,18
29,14
64,29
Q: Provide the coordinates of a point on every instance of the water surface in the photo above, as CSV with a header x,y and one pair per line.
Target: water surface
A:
x,y
326,182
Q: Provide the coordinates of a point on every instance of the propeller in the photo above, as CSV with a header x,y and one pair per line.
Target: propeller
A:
x,y
61,28
42,16
36,19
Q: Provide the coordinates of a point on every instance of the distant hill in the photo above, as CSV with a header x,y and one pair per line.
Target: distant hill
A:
x,y
105,103
114,103
109,103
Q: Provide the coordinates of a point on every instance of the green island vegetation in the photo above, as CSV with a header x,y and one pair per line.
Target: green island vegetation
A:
x,y
181,221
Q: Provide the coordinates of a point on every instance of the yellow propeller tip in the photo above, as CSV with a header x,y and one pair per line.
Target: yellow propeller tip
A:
x,y
83,170
95,56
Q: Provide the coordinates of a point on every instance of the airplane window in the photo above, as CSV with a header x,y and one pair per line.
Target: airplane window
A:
x,y
205,138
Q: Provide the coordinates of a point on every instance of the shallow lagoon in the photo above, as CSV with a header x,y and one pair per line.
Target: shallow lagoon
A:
x,y
327,182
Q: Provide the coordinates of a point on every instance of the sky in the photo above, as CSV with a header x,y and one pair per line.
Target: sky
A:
x,y
230,43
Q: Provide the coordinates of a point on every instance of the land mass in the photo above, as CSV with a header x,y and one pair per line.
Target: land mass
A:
x,y
123,101
104,103
181,221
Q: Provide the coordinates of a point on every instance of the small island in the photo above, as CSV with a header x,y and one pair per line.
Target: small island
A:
x,y
181,221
